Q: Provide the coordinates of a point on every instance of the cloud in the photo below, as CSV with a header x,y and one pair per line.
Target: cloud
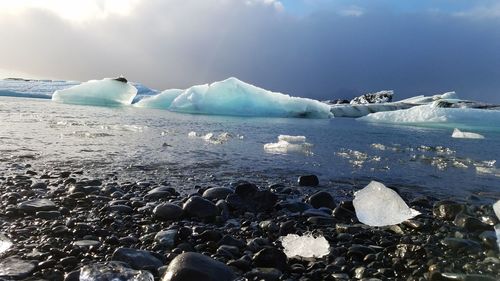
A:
x,y
324,54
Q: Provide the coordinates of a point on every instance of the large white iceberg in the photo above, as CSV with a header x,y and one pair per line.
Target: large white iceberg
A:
x,y
377,205
237,98
465,135
105,92
162,100
306,246
289,144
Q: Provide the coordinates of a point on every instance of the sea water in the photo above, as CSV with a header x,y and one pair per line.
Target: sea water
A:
x,y
150,144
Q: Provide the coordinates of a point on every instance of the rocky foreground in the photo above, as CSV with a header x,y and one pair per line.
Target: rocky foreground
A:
x,y
64,226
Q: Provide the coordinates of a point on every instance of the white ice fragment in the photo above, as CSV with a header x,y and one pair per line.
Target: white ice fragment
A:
x,y
212,138
465,135
305,246
192,134
497,231
113,271
5,243
162,100
377,205
289,144
237,98
97,92
496,209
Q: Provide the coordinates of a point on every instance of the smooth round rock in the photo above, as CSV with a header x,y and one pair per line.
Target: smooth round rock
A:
x,y
217,193
137,259
15,268
193,266
447,210
322,199
308,180
37,205
167,211
270,257
200,207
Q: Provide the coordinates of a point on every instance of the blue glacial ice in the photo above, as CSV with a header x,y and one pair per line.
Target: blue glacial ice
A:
x,y
105,92
434,114
378,205
162,100
236,98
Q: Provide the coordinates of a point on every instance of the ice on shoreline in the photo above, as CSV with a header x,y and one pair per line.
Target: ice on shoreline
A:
x,y
465,135
289,144
105,92
306,246
377,205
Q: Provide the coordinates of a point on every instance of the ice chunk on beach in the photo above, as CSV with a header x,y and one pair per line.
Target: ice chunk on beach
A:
x,y
112,271
5,243
237,98
465,135
162,100
106,92
496,209
377,205
306,246
289,144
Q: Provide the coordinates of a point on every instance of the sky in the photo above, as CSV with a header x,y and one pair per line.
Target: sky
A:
x,y
322,49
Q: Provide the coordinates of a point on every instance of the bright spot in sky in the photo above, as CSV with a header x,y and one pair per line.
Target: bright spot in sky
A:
x,y
74,10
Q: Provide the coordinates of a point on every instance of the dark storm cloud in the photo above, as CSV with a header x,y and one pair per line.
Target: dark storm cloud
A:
x,y
330,53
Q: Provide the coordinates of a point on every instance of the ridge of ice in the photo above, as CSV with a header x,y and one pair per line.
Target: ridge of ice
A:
x,y
289,144
377,205
237,98
105,92
465,135
162,100
306,246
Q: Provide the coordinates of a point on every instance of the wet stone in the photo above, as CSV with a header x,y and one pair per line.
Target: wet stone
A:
x,y
262,273
308,180
167,211
137,259
217,193
322,199
461,245
271,257
195,266
48,215
166,238
37,205
447,210
15,268
86,243
200,207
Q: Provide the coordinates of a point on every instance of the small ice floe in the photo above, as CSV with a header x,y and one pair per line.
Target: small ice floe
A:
x,y
289,144
487,168
305,246
212,138
377,205
496,209
112,271
465,135
5,243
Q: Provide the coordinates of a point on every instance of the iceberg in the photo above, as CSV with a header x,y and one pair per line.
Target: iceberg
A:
x,y
112,271
305,246
105,92
378,97
465,135
236,98
377,205
289,144
162,100
429,114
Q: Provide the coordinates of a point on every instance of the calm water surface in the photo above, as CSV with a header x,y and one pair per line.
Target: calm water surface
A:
x,y
141,144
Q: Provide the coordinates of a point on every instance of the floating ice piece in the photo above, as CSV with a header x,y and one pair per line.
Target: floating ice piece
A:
x,y
289,144
305,246
5,243
377,205
212,138
237,98
106,92
112,271
162,100
496,209
465,135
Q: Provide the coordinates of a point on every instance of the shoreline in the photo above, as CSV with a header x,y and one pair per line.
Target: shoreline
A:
x,y
82,221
